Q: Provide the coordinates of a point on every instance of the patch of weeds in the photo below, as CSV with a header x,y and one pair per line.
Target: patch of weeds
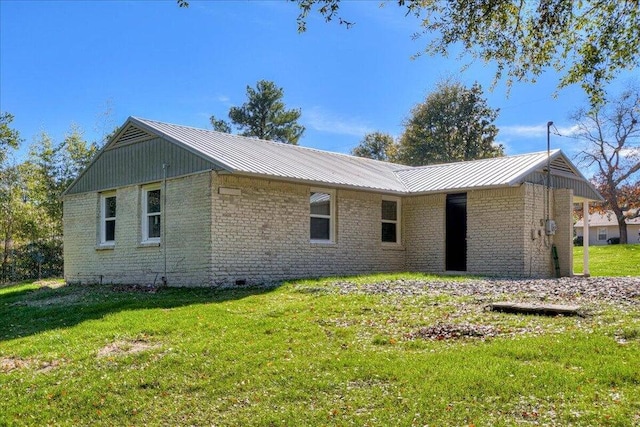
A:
x,y
383,340
628,334
313,290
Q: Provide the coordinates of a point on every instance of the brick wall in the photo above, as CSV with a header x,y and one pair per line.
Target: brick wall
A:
x,y
563,239
259,231
188,248
262,234
424,231
537,245
495,241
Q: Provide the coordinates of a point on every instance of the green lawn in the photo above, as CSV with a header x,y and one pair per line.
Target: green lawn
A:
x,y
609,260
307,354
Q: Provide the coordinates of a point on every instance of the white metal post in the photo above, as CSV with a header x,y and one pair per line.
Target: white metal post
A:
x,y
585,238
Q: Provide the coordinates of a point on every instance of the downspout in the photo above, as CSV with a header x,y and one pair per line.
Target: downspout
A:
x,y
164,222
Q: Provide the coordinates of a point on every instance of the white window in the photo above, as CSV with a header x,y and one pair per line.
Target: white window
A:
x,y
107,218
322,216
602,233
151,214
390,220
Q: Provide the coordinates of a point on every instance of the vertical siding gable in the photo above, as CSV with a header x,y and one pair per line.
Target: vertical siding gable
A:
x,y
137,163
131,134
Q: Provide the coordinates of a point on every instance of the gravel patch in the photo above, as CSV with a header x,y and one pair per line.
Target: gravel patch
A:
x,y
575,290
444,331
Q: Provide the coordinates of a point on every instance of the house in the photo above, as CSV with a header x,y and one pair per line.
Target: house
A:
x,y
603,227
193,207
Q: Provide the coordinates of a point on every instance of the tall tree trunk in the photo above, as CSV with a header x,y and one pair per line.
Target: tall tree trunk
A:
x,y
622,225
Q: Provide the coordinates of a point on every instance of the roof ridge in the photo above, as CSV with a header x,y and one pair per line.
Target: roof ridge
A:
x,y
278,143
435,165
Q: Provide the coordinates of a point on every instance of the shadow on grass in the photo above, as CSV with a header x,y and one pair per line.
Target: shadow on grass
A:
x,y
28,311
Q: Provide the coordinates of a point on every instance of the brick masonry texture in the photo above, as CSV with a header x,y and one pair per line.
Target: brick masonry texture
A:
x,y
260,233
186,239
424,230
495,240
263,234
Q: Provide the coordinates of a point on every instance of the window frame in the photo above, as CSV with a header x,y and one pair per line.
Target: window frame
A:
x,y
397,221
145,214
331,217
600,229
103,218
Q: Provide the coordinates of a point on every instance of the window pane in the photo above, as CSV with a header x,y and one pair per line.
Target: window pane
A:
x,y
389,232
153,201
154,226
320,229
602,234
389,210
110,230
110,207
320,203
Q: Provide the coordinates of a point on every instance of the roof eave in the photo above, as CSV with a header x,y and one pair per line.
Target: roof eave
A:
x,y
462,189
316,183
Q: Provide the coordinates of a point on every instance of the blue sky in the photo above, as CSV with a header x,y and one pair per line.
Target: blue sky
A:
x,y
71,62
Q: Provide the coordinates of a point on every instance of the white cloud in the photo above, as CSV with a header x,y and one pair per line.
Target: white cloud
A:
x,y
320,120
536,131
630,152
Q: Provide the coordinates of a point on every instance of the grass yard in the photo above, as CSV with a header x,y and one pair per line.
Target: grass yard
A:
x,y
307,353
609,260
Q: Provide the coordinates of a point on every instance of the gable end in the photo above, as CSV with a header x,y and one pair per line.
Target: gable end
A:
x,y
130,135
559,166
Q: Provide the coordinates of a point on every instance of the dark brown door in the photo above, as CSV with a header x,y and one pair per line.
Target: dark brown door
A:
x,y
456,229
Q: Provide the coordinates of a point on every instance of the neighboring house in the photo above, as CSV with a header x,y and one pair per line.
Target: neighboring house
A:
x,y
194,207
603,227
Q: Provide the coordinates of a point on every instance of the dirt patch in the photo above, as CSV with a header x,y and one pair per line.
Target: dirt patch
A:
x,y
122,348
150,289
54,301
448,331
50,283
8,364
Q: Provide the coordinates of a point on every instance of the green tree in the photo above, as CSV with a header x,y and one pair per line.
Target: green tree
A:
x,y
589,42
377,146
10,198
41,177
454,123
612,135
51,168
9,138
264,116
76,154
220,125
9,191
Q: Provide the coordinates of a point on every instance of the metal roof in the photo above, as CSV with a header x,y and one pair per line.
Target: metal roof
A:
x,y
493,172
254,157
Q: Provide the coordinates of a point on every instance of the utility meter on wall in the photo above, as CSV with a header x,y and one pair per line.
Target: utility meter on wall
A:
x,y
550,227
